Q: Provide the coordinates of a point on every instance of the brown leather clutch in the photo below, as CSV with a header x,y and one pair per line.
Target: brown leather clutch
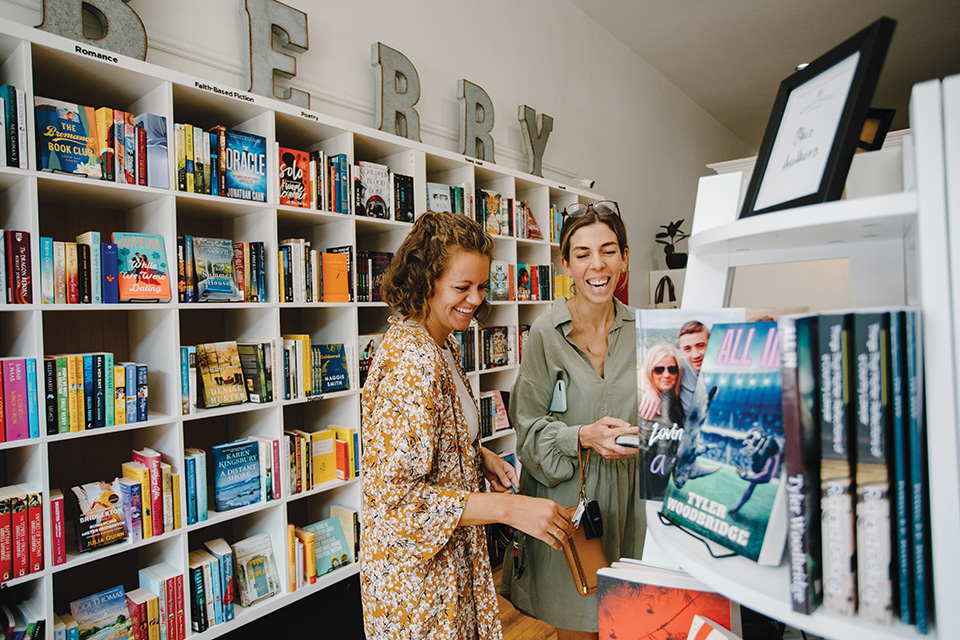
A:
x,y
585,558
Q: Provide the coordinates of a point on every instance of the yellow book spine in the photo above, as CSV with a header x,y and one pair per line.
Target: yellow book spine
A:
x,y
153,618
175,483
346,434
74,395
188,153
324,456
119,390
309,554
291,557
141,474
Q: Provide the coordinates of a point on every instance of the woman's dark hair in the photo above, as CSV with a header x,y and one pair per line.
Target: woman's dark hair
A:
x,y
424,256
572,223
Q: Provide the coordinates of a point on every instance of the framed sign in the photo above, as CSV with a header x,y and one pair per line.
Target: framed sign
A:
x,y
815,125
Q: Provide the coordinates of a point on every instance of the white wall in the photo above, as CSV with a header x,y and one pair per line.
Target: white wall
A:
x,y
615,118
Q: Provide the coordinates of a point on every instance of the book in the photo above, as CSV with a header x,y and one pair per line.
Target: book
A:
x,y
236,474
224,554
16,422
58,549
256,570
66,138
488,211
103,615
132,500
369,343
438,197
403,206
633,595
333,367
245,167
801,461
372,190
199,458
213,268
500,285
726,483
332,551
350,523
142,267
140,473
109,268
218,364
18,267
254,366
92,240
144,609
323,456
155,127
307,538
98,510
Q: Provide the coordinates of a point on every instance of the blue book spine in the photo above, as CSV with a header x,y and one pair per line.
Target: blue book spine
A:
x,y
919,514
226,572
89,393
109,271
215,165
185,380
157,149
217,589
132,516
190,464
130,375
188,267
202,507
99,391
109,397
33,411
900,493
141,393
46,270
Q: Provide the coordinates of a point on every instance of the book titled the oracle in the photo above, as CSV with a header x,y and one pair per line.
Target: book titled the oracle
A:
x,y
142,267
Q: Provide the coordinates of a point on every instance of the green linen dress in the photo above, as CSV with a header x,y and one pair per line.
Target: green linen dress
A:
x,y
547,450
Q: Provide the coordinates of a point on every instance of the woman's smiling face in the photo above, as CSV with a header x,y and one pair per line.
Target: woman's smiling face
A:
x,y
457,294
595,262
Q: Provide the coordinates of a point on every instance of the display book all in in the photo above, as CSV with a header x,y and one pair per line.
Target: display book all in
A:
x,y
256,574
670,351
727,485
143,275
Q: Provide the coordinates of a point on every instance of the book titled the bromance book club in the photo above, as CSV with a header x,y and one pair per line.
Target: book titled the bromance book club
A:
x,y
726,484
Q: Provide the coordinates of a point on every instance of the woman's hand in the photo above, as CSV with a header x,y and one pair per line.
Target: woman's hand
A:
x,y
541,518
499,473
601,436
650,404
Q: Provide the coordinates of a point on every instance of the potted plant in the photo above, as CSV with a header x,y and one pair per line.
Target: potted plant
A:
x,y
669,240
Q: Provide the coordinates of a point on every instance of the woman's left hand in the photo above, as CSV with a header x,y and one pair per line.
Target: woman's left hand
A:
x,y
499,473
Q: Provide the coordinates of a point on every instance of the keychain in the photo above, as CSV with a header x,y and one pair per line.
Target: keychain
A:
x,y
588,511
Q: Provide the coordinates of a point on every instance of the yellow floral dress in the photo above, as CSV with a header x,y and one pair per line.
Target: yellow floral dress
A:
x,y
421,575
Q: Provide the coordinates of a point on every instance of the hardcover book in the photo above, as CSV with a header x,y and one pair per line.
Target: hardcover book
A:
x,y
438,197
332,550
103,616
726,483
336,277
372,190
256,570
668,338
295,184
403,210
142,267
98,510
246,166
236,474
333,368
66,138
222,375
488,211
157,150
500,285
214,273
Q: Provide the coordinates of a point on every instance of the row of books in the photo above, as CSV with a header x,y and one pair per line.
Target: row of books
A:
x,y
22,620
132,267
13,124
467,338
19,411
455,198
220,270
103,143
16,267
521,281
317,549
499,347
309,275
211,584
89,391
502,216
221,162
21,531
370,268
493,412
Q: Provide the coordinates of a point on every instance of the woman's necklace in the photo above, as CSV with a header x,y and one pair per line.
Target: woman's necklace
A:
x,y
583,329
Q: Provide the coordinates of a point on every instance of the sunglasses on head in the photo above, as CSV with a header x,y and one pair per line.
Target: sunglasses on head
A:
x,y
672,369
602,208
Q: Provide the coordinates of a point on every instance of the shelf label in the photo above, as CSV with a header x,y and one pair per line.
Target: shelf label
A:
x,y
95,54
310,116
230,93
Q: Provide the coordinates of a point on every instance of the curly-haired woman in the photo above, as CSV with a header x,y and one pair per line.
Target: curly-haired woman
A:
x,y
425,572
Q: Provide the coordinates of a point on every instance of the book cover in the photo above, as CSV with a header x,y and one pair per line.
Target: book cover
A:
x,y
489,204
219,366
253,365
372,190
532,229
438,197
256,570
34,505
142,267
66,138
98,510
332,551
132,501
245,166
294,177
499,290
71,273
58,547
350,523
16,420
151,460
335,274
369,343
403,206
236,474
333,368
224,554
213,267
634,596
323,456
919,511
110,276
19,527
199,456
726,483
801,460
103,616
157,149
83,274
837,454
47,290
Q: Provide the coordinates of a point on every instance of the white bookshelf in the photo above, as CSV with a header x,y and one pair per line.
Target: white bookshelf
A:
x,y
62,206
899,247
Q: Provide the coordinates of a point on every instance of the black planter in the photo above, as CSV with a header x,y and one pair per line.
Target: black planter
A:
x,y
676,260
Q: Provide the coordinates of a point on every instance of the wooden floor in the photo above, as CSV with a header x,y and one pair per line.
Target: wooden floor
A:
x,y
517,626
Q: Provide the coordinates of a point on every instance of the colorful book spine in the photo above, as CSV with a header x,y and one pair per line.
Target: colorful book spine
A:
x,y
119,394
34,501
47,291
140,473
92,240
132,508
152,461
58,546
63,395
109,269
141,393
16,420
919,511
50,395
33,410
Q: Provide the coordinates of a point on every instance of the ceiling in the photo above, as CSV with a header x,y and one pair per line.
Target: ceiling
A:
x,y
730,56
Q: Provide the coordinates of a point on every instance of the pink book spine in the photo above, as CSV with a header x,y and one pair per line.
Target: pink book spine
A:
x,y
181,618
151,460
15,417
35,526
58,547
6,538
21,535
170,597
276,470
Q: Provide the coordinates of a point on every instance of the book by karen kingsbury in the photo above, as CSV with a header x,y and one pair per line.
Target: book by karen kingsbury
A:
x,y
221,373
213,268
142,267
103,616
98,514
726,484
236,474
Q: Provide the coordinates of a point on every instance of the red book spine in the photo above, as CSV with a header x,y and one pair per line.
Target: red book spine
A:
x,y
21,544
35,527
141,156
138,619
18,267
59,546
6,538
181,618
151,460
343,460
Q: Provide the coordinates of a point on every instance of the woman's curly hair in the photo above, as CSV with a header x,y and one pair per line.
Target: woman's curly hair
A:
x,y
424,256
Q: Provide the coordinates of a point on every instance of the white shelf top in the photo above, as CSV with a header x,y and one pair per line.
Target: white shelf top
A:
x,y
764,589
883,217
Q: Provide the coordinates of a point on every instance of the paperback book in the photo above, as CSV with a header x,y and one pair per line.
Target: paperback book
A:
x,y
332,550
726,484
236,474
372,190
215,279
246,166
142,267
98,514
103,616
256,570
221,373
66,138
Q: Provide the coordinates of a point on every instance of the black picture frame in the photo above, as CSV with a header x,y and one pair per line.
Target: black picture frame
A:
x,y
819,110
